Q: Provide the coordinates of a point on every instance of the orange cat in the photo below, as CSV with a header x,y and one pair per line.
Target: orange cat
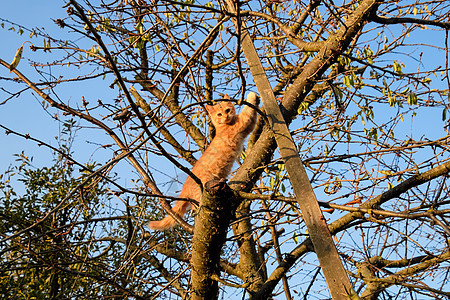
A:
x,y
218,158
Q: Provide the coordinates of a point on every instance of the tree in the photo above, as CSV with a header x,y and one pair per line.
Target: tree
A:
x,y
359,84
50,229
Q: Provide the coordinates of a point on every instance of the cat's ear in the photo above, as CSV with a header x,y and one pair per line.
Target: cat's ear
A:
x,y
226,96
209,108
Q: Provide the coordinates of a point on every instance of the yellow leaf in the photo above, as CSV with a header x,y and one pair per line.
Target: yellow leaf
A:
x,y
16,59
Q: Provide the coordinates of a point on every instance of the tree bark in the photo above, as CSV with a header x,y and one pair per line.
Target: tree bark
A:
x,y
210,230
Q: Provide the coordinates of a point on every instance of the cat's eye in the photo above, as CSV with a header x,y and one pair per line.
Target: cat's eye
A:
x,y
227,111
219,114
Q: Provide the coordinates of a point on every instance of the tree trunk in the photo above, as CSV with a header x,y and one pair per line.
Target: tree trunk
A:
x,y
211,224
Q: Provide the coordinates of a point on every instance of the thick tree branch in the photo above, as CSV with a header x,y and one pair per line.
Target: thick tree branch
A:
x,y
211,225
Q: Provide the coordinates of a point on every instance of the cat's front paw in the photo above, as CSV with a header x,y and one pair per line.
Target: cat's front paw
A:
x,y
253,98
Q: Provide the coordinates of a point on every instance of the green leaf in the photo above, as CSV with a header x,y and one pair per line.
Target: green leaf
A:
x,y
412,99
397,67
347,81
16,59
272,182
391,99
302,107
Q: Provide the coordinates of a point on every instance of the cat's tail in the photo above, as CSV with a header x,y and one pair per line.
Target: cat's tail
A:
x,y
179,208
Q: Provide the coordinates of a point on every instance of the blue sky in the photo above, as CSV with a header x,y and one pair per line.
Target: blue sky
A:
x,y
20,113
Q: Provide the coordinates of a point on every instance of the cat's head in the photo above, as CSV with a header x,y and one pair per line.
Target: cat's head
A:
x,y
222,113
